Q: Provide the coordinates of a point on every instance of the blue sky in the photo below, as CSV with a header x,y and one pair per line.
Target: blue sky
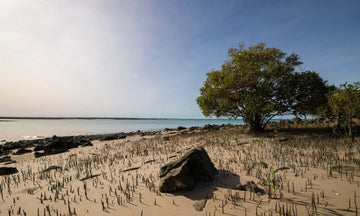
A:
x,y
149,58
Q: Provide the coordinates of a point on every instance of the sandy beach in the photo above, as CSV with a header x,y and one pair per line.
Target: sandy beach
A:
x,y
121,177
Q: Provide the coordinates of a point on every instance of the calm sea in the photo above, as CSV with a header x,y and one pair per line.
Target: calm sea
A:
x,y
17,129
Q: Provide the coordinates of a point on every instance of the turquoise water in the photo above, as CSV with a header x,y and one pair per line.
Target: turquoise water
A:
x,y
17,129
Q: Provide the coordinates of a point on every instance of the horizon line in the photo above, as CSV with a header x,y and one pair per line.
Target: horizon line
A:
x,y
109,118
113,118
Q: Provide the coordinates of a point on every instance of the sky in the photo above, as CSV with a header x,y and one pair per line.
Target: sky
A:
x,y
149,58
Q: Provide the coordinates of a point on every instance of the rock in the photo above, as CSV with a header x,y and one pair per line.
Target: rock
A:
x,y
211,127
5,159
193,128
10,162
250,186
4,152
283,139
200,205
22,151
183,173
181,128
8,170
114,137
60,144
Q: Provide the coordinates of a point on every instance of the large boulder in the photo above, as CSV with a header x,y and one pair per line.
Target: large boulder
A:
x,y
183,173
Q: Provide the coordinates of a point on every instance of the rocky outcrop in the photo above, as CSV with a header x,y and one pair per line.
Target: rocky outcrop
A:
x,y
210,127
8,170
183,173
113,137
60,145
22,151
51,143
5,159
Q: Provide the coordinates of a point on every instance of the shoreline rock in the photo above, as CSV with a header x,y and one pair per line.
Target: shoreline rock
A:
x,y
46,143
8,170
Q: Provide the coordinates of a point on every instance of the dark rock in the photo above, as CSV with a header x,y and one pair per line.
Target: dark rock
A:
x,y
181,128
4,152
8,170
70,142
5,159
200,205
113,137
183,173
39,148
10,162
193,128
61,144
250,186
211,127
22,151
284,139
7,147
169,129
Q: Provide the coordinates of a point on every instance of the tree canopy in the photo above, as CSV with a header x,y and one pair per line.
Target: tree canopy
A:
x,y
309,93
345,103
259,83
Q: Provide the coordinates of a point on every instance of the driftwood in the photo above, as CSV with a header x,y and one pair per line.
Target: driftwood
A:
x,y
52,168
149,161
131,169
89,177
172,156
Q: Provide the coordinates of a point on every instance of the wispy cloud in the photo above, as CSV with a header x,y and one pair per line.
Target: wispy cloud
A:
x,y
149,58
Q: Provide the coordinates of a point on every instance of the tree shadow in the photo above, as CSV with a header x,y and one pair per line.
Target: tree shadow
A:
x,y
205,190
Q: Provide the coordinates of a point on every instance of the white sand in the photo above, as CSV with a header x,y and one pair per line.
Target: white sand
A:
x,y
231,152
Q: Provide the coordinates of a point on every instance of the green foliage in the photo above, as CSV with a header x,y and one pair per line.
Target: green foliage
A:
x,y
259,140
257,84
269,180
325,110
311,93
345,103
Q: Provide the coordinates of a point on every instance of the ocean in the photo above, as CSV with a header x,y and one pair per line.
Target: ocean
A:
x,y
19,129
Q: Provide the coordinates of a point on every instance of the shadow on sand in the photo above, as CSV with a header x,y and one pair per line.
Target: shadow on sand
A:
x,y
204,190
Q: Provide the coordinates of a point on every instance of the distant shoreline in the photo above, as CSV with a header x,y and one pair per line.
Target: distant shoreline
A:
x,y
104,118
92,118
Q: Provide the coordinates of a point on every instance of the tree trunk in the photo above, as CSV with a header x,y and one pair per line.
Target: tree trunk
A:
x,y
350,126
255,124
